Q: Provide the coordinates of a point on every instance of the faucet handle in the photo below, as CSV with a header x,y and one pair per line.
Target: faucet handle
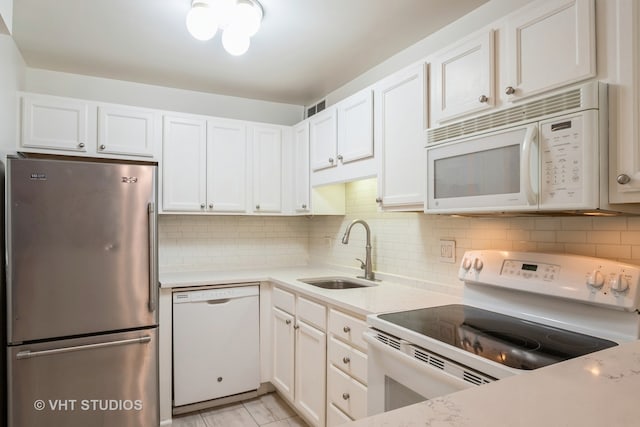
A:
x,y
362,264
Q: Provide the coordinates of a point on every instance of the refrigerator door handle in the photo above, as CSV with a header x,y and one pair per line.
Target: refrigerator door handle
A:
x,y
26,354
153,257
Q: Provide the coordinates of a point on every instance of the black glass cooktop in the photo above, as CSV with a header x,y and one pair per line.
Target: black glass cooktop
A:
x,y
513,342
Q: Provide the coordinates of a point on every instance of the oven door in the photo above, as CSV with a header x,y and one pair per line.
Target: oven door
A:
x,y
396,379
495,172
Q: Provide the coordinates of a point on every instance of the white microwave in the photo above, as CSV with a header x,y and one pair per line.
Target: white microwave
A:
x,y
546,155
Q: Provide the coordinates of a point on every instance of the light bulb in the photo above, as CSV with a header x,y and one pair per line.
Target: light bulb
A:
x,y
246,18
235,42
201,21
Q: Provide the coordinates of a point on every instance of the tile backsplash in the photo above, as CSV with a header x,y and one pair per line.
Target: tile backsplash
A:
x,y
404,244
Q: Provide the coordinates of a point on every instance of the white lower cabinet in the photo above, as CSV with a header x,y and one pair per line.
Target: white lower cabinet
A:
x,y
347,369
299,353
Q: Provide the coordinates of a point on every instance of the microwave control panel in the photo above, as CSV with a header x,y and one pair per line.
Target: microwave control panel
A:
x,y
567,161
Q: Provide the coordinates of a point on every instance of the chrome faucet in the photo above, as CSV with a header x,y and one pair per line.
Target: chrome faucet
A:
x,y
366,265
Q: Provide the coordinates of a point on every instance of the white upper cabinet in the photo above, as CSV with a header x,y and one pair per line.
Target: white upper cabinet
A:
x,y
462,78
355,127
323,139
549,44
184,170
267,169
400,121
301,167
55,123
226,166
52,124
125,130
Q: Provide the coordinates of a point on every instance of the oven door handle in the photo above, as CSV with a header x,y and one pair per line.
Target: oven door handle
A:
x,y
374,344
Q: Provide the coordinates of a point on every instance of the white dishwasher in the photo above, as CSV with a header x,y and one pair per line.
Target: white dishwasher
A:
x,y
216,343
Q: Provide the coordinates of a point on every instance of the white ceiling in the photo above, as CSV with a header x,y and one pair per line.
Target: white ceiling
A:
x,y
304,50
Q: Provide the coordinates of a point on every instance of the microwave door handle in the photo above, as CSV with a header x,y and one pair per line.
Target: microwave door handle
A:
x,y
528,146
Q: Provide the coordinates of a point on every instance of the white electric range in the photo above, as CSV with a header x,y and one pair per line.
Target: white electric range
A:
x,y
521,311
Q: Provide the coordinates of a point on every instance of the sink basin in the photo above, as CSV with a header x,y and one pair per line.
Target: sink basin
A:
x,y
337,282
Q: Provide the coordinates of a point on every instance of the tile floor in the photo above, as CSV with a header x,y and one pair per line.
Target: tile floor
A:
x,y
268,410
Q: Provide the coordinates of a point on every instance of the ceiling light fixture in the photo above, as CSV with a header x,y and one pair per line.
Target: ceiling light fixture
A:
x,y
239,20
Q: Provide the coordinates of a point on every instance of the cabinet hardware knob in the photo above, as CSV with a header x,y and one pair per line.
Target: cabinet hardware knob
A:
x,y
219,379
331,160
288,321
340,157
623,178
202,205
304,206
483,99
345,396
346,360
210,205
296,327
346,329
378,199
258,207
102,147
81,145
509,90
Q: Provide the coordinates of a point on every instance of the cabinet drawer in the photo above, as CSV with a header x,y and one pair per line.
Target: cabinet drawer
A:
x,y
313,313
335,416
348,359
346,393
348,328
283,300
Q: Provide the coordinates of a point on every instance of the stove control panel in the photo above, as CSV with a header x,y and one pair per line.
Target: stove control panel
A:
x,y
591,280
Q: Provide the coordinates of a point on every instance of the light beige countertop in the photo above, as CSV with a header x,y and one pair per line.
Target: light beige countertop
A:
x,y
596,390
387,295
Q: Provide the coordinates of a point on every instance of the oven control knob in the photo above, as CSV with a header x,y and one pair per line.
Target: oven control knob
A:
x,y
619,283
477,264
595,279
466,264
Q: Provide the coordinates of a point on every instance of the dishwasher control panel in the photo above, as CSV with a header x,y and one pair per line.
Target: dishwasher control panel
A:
x,y
214,294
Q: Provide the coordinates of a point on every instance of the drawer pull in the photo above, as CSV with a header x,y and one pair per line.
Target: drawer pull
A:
x,y
296,327
288,321
346,329
345,396
346,360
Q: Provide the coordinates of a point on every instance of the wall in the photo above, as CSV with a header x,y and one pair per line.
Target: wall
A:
x,y
231,242
408,244
11,80
6,16
160,97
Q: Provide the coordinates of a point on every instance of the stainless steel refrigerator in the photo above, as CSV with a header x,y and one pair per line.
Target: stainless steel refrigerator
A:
x,y
81,292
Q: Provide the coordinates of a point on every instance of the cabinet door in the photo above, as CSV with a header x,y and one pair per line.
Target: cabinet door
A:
x,y
283,352
550,44
267,169
226,166
624,104
355,127
462,78
184,171
400,113
54,123
310,372
323,139
127,131
301,167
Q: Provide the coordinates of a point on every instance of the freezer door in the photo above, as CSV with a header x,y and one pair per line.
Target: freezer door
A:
x,y
107,380
80,235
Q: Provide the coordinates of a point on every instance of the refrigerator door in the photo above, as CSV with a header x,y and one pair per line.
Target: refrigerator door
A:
x,y
106,380
80,235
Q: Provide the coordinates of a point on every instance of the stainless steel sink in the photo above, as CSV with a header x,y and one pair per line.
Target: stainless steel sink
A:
x,y
337,282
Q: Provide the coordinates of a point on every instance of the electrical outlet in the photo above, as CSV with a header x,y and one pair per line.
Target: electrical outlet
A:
x,y
448,251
